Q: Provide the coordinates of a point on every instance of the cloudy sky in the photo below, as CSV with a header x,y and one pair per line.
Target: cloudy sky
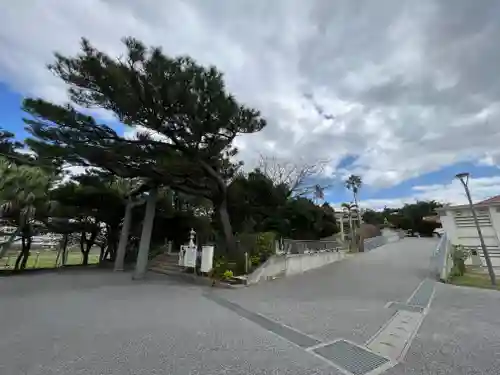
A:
x,y
404,93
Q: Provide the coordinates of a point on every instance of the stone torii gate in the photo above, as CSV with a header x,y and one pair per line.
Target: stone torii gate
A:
x,y
147,228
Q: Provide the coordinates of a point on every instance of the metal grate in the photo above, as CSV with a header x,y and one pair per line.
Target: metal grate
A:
x,y
351,357
423,294
287,333
406,307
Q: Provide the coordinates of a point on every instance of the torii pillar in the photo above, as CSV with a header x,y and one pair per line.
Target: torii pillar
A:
x,y
147,228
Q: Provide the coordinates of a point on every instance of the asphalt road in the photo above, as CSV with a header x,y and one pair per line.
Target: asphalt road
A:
x,y
96,322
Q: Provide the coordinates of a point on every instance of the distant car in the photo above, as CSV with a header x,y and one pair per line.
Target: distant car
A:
x,y
438,232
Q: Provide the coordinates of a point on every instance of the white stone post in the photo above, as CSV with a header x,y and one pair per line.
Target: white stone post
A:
x,y
191,251
122,244
207,258
147,227
192,233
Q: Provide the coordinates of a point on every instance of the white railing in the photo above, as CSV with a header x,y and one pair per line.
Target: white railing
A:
x,y
374,242
288,246
442,259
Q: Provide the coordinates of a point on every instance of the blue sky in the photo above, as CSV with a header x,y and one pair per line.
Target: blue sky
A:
x,y
404,94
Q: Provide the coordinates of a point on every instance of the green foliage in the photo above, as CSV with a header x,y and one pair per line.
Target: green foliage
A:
x,y
265,243
373,217
265,247
256,204
354,183
459,254
10,149
409,217
24,198
220,267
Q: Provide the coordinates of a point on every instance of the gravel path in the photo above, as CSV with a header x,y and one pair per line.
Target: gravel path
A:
x,y
460,335
96,322
346,299
71,324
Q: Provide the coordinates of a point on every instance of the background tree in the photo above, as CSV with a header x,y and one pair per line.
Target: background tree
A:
x,y
8,145
96,203
300,178
257,204
373,217
410,217
350,209
354,183
24,200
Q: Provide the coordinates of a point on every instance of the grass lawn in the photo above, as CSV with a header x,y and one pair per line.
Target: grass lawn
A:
x,y
46,259
474,277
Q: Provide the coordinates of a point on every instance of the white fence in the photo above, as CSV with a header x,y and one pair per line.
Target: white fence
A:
x,y
386,237
288,246
442,259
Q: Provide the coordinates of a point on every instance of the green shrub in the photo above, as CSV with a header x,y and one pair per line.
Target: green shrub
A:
x,y
265,244
258,246
459,255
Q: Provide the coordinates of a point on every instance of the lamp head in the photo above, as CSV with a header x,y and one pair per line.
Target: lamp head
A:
x,y
462,175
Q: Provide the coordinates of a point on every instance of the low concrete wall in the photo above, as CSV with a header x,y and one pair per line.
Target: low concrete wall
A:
x,y
388,236
293,264
442,259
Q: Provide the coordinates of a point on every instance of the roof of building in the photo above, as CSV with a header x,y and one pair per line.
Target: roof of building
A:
x,y
493,201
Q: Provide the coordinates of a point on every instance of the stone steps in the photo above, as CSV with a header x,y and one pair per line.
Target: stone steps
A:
x,y
166,264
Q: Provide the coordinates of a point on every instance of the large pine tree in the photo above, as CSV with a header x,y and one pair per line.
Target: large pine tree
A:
x,y
184,103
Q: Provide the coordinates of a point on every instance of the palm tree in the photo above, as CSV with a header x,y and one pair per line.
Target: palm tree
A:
x,y
348,208
354,183
24,197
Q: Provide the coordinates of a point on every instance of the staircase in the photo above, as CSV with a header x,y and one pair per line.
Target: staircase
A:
x,y
166,264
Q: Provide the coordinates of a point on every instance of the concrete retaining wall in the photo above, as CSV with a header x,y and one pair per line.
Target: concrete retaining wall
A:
x,y
388,236
292,264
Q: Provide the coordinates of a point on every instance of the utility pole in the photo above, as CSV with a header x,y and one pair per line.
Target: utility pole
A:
x,y
464,179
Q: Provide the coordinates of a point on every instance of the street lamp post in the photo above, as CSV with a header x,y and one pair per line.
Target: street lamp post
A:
x,y
464,179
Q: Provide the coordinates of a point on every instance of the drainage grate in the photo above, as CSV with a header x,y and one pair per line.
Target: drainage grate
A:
x,y
423,294
287,333
351,357
404,306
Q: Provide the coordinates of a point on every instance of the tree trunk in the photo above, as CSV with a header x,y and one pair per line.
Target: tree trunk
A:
x,y
65,249
22,259
103,253
86,245
227,229
62,251
112,241
26,253
83,249
85,258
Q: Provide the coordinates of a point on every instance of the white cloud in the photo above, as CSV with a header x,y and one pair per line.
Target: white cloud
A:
x,y
131,133
453,193
409,87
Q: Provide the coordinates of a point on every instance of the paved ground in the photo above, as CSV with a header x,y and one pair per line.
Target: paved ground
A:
x,y
346,299
460,335
101,323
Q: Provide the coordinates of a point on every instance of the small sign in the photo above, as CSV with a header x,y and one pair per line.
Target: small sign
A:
x,y
190,256
207,258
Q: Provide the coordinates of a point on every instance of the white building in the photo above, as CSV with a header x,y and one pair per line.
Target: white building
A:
x,y
458,223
